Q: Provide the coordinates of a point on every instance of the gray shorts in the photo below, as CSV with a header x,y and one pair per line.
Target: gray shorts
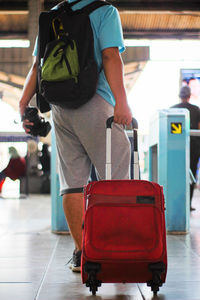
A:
x,y
80,141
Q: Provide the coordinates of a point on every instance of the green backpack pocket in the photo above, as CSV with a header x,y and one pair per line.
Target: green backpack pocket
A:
x,y
60,61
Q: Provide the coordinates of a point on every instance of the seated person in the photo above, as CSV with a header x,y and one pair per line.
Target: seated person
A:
x,y
15,169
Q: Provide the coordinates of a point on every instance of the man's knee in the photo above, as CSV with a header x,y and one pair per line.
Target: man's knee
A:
x,y
73,197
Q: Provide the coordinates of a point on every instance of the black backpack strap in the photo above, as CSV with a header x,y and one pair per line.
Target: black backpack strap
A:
x,y
74,3
88,9
43,38
65,5
45,29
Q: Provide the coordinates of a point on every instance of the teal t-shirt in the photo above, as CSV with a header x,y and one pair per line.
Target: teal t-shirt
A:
x,y
107,31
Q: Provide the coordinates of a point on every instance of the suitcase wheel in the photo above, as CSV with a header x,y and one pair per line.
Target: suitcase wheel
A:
x,y
157,269
92,282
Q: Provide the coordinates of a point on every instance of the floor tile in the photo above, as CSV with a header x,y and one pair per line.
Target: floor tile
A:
x,y
17,291
176,290
20,275
77,291
33,260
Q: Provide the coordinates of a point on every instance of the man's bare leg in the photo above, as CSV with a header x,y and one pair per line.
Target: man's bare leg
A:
x,y
73,209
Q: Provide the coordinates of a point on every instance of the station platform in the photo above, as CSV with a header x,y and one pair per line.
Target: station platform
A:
x,y
32,259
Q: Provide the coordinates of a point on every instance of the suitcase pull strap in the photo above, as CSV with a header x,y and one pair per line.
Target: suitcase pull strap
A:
x,y
134,127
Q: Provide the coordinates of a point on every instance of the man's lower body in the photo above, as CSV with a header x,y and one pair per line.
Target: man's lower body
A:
x,y
80,140
2,180
194,158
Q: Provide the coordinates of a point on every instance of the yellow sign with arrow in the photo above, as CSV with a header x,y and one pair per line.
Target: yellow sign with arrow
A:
x,y
176,128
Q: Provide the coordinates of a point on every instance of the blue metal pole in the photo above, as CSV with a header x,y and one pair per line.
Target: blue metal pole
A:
x,y
173,165
58,221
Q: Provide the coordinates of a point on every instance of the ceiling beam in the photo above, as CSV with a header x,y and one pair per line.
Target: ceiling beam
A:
x,y
162,34
13,80
179,5
13,34
13,5
9,5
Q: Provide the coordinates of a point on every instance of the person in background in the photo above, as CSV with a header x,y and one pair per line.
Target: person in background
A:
x,y
194,110
15,169
194,85
45,161
2,180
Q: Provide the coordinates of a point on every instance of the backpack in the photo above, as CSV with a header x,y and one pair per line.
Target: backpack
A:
x,y
68,74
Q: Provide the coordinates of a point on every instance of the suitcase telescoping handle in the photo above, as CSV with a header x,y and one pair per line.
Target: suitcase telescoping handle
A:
x,y
134,127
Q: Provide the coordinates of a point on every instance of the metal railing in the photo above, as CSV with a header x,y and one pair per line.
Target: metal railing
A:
x,y
195,132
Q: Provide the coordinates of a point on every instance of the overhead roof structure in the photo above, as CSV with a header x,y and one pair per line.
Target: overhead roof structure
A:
x,y
140,18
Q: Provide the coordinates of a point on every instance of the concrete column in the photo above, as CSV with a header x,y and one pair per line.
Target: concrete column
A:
x,y
34,7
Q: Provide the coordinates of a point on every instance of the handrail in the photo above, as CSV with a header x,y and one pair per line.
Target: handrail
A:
x,y
195,132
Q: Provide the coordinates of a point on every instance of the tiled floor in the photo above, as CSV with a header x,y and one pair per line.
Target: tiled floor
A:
x,y
32,259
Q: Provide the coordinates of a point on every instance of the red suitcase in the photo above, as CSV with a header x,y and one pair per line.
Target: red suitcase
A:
x,y
124,236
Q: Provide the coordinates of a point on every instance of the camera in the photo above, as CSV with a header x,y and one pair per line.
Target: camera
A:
x,y
40,127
